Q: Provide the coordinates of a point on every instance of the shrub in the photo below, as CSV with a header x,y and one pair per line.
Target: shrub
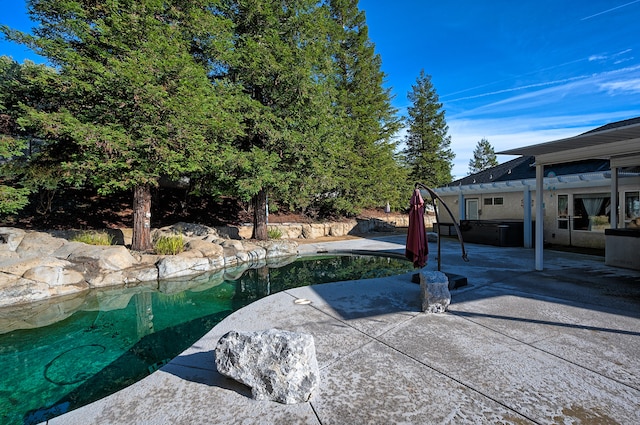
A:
x,y
94,238
169,245
274,233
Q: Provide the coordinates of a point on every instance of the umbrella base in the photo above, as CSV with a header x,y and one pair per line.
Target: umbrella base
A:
x,y
455,280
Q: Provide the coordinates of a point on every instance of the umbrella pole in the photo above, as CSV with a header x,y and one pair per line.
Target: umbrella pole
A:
x,y
435,196
435,209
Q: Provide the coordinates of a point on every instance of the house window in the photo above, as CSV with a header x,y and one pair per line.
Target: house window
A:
x,y
592,211
493,201
563,211
632,209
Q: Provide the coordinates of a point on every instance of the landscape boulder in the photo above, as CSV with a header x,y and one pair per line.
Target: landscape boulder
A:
x,y
173,266
10,238
277,365
434,290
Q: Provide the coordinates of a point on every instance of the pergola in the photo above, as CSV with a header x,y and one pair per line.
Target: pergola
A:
x,y
618,142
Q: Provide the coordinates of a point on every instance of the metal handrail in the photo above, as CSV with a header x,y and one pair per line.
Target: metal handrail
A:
x,y
435,196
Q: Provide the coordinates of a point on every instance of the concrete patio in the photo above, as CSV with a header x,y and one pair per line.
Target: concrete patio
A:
x,y
516,346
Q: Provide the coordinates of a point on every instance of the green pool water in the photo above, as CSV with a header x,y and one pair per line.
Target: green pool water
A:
x,y
58,356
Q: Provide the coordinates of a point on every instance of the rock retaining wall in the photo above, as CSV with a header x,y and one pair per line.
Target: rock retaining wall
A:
x,y
328,229
36,265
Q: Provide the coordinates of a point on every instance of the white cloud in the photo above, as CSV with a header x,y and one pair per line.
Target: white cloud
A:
x,y
513,132
628,86
558,94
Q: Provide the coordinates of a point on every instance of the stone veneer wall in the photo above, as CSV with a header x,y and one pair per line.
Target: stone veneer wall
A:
x,y
328,229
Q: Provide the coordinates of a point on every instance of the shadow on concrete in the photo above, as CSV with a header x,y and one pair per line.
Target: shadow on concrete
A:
x,y
199,367
545,322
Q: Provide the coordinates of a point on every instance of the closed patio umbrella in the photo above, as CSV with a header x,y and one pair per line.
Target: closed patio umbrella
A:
x,y
417,248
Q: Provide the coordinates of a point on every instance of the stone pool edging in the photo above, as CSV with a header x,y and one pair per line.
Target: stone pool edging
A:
x,y
36,266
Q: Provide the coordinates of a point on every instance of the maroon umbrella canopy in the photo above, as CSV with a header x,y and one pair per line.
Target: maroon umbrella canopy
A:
x,y
417,248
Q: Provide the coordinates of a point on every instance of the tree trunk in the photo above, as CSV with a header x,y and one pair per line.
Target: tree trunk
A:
x,y
260,215
141,240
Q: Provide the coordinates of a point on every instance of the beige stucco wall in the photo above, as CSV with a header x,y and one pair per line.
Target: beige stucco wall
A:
x,y
513,208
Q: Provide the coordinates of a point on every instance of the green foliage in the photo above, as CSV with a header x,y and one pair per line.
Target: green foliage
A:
x,y
279,59
247,98
484,157
274,233
22,86
169,245
12,199
365,171
427,152
93,238
137,103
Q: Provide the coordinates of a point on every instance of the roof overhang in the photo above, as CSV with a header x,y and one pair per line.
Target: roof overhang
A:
x,y
565,182
620,145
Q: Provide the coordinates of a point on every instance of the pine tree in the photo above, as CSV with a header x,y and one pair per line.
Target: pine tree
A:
x,y
483,157
427,151
279,59
370,176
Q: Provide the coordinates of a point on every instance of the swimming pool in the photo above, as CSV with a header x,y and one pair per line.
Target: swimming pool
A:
x,y
92,346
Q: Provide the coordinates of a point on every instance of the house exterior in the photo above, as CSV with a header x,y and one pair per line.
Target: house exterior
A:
x,y
576,196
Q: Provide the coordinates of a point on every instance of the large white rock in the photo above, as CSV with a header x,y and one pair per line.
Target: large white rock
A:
x,y
252,254
18,266
38,244
10,238
434,290
55,274
110,258
188,230
207,249
279,248
173,266
278,365
22,291
141,273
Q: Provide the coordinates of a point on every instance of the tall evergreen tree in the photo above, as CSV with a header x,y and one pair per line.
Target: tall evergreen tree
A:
x,y
136,105
427,151
484,157
370,175
279,60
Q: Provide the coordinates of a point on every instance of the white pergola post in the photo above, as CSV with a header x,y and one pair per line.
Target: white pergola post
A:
x,y
539,216
614,197
528,222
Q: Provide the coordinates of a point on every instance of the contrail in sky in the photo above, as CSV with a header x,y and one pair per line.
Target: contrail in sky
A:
x,y
518,76
610,10
546,83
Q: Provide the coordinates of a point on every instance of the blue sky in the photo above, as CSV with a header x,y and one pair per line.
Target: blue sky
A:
x,y
514,72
